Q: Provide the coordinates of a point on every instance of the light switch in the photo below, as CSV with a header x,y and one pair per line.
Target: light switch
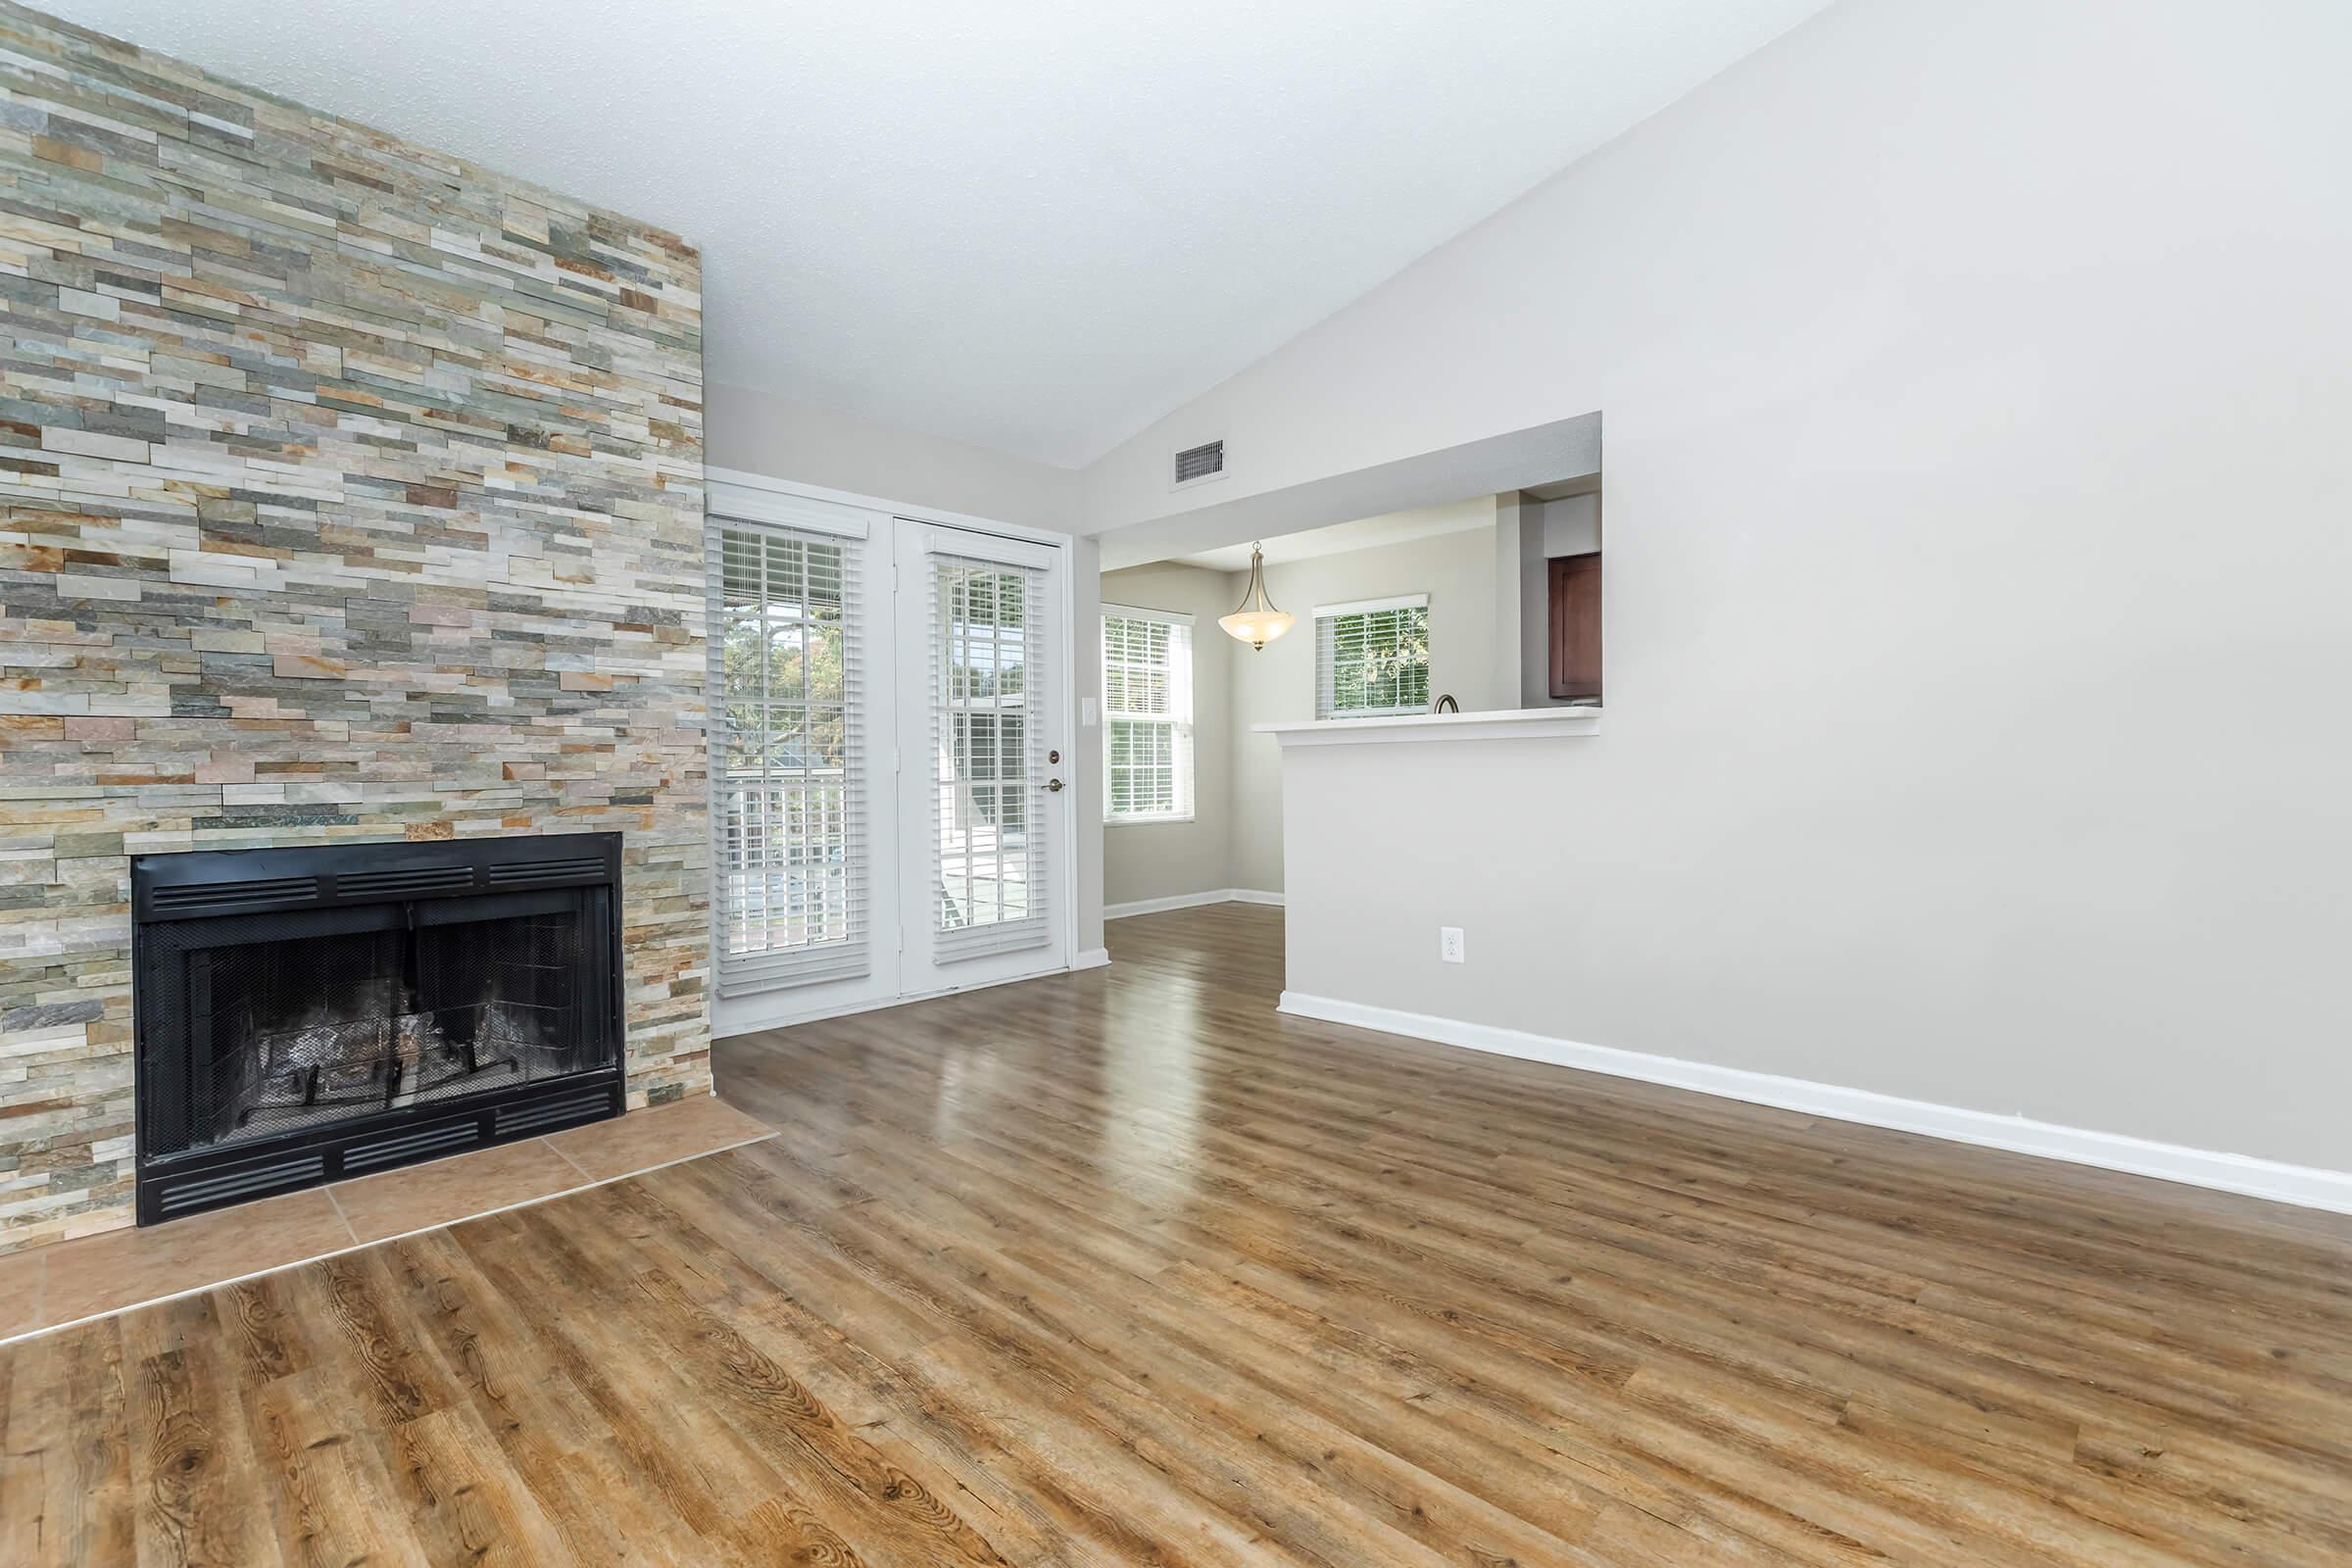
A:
x,y
1086,713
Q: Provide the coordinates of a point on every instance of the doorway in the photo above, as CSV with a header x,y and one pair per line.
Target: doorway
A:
x,y
889,754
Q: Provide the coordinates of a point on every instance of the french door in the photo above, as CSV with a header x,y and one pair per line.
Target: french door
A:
x,y
981,681
889,817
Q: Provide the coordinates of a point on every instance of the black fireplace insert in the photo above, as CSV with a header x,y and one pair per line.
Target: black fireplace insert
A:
x,y
304,1015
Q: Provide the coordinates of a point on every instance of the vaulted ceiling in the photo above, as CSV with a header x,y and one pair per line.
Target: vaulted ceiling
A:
x,y
1031,225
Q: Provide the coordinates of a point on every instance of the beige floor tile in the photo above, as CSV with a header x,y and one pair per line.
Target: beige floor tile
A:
x,y
104,1272
73,1280
453,1189
20,1277
657,1135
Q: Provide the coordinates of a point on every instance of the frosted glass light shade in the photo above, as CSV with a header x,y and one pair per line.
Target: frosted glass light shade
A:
x,y
1257,627
1258,623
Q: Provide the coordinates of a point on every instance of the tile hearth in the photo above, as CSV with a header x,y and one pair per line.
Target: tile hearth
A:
x,y
49,1287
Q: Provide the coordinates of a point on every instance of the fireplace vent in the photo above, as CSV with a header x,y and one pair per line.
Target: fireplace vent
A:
x,y
196,1192
221,898
405,882
516,1120
543,873
406,1147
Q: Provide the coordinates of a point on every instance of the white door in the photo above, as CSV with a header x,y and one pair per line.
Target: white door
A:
x,y
888,701
982,678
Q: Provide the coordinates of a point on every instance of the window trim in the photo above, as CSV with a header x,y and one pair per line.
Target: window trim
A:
x,y
1323,710
1365,607
1182,726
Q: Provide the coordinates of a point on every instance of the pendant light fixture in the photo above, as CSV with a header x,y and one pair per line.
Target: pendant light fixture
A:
x,y
1258,623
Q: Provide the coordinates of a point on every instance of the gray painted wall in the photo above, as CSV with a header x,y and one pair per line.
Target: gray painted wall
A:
x,y
1163,859
1978,484
790,440
1278,685
1235,838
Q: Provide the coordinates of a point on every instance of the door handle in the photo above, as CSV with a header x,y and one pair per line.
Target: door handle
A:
x,y
1055,785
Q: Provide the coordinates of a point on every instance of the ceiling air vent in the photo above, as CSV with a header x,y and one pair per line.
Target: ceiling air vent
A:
x,y
1203,462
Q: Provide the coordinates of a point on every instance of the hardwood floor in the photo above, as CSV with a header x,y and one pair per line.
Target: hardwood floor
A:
x,y
1125,1268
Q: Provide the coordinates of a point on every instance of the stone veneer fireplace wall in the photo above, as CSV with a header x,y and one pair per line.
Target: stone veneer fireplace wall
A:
x,y
347,491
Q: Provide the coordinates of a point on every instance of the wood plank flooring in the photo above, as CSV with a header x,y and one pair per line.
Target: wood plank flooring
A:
x,y
1125,1268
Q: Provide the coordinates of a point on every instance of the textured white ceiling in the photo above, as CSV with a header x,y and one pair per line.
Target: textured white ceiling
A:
x,y
1033,224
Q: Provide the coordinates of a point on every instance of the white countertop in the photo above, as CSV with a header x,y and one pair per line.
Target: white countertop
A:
x,y
1497,724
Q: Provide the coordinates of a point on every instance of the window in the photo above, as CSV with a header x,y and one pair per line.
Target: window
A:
x,y
791,893
1372,657
1146,715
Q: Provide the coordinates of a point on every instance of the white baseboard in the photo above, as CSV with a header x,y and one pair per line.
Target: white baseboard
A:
x,y
731,1028
1181,901
1188,901
2302,1185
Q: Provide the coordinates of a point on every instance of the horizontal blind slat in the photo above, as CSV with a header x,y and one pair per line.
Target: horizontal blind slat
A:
x,y
1148,714
1372,661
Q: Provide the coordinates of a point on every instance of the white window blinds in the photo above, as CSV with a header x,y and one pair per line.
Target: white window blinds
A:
x,y
1146,715
1372,657
986,742
788,764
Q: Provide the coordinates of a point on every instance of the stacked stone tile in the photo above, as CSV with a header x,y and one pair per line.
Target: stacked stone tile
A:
x,y
347,491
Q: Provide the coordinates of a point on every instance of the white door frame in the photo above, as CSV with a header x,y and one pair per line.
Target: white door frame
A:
x,y
748,495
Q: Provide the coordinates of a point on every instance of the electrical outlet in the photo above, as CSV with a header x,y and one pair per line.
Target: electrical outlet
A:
x,y
1450,942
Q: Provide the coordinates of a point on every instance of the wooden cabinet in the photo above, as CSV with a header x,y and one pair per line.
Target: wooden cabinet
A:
x,y
1575,626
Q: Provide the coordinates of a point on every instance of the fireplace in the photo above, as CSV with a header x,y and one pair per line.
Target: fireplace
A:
x,y
304,1015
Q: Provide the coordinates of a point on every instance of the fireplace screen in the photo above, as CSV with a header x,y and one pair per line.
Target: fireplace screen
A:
x,y
292,1032
309,1014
